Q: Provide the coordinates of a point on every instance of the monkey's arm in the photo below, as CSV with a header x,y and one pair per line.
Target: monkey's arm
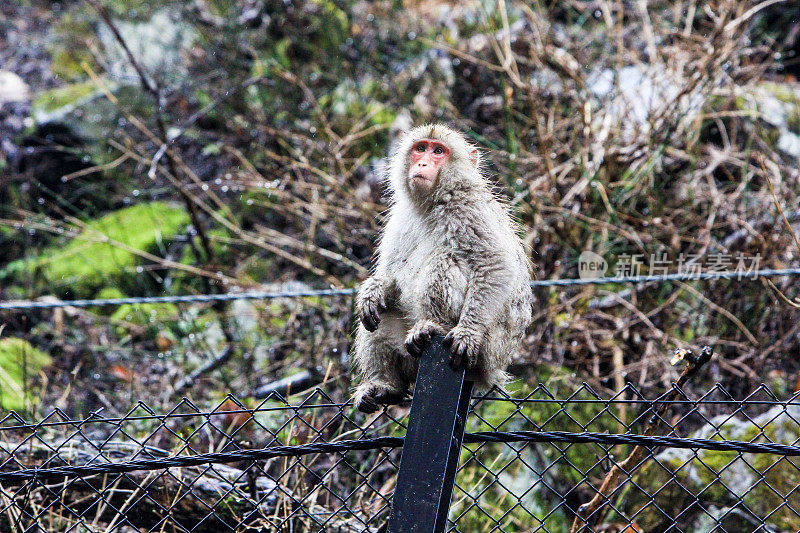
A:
x,y
491,277
483,302
376,294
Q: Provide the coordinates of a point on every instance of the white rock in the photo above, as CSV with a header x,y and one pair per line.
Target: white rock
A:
x,y
12,88
641,93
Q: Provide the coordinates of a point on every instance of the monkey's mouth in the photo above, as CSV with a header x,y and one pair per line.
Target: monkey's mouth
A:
x,y
421,178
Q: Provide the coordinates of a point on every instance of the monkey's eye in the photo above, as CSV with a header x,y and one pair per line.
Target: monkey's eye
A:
x,y
438,150
420,148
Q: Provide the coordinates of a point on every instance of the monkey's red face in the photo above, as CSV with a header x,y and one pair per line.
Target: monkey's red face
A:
x,y
427,159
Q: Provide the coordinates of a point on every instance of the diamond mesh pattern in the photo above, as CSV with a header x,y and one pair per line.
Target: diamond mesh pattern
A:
x,y
507,487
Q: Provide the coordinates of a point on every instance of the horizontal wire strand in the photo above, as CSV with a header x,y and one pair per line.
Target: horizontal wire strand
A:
x,y
266,295
272,452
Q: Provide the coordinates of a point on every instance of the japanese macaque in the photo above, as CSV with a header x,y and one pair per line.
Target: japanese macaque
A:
x,y
449,263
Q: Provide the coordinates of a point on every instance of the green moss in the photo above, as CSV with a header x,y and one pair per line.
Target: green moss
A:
x,y
67,48
723,478
145,314
275,315
522,498
20,365
87,263
61,96
109,293
780,483
155,317
709,467
67,65
781,91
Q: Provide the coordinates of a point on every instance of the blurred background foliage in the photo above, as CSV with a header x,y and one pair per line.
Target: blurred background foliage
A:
x,y
171,147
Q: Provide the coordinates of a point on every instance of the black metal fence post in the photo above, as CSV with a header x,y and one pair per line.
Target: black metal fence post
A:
x,y
432,445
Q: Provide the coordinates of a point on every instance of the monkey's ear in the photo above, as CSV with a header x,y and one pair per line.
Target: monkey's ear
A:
x,y
474,156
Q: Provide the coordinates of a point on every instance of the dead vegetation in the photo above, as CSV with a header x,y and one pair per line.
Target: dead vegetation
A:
x,y
651,129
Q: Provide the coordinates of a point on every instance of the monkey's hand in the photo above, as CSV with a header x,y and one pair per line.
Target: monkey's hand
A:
x,y
420,335
464,344
371,303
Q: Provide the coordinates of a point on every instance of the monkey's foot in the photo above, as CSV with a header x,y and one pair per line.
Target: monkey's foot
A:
x,y
420,335
369,397
464,345
371,303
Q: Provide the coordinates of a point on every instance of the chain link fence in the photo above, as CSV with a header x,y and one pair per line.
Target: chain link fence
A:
x,y
315,464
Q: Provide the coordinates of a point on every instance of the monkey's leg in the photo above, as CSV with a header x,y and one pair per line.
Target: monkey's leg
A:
x,y
500,344
384,370
420,335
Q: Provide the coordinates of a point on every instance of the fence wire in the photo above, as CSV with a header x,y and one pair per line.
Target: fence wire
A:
x,y
54,303
528,464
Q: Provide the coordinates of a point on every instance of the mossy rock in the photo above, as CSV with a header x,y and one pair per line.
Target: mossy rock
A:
x,y
20,366
145,314
93,259
527,492
59,97
758,484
